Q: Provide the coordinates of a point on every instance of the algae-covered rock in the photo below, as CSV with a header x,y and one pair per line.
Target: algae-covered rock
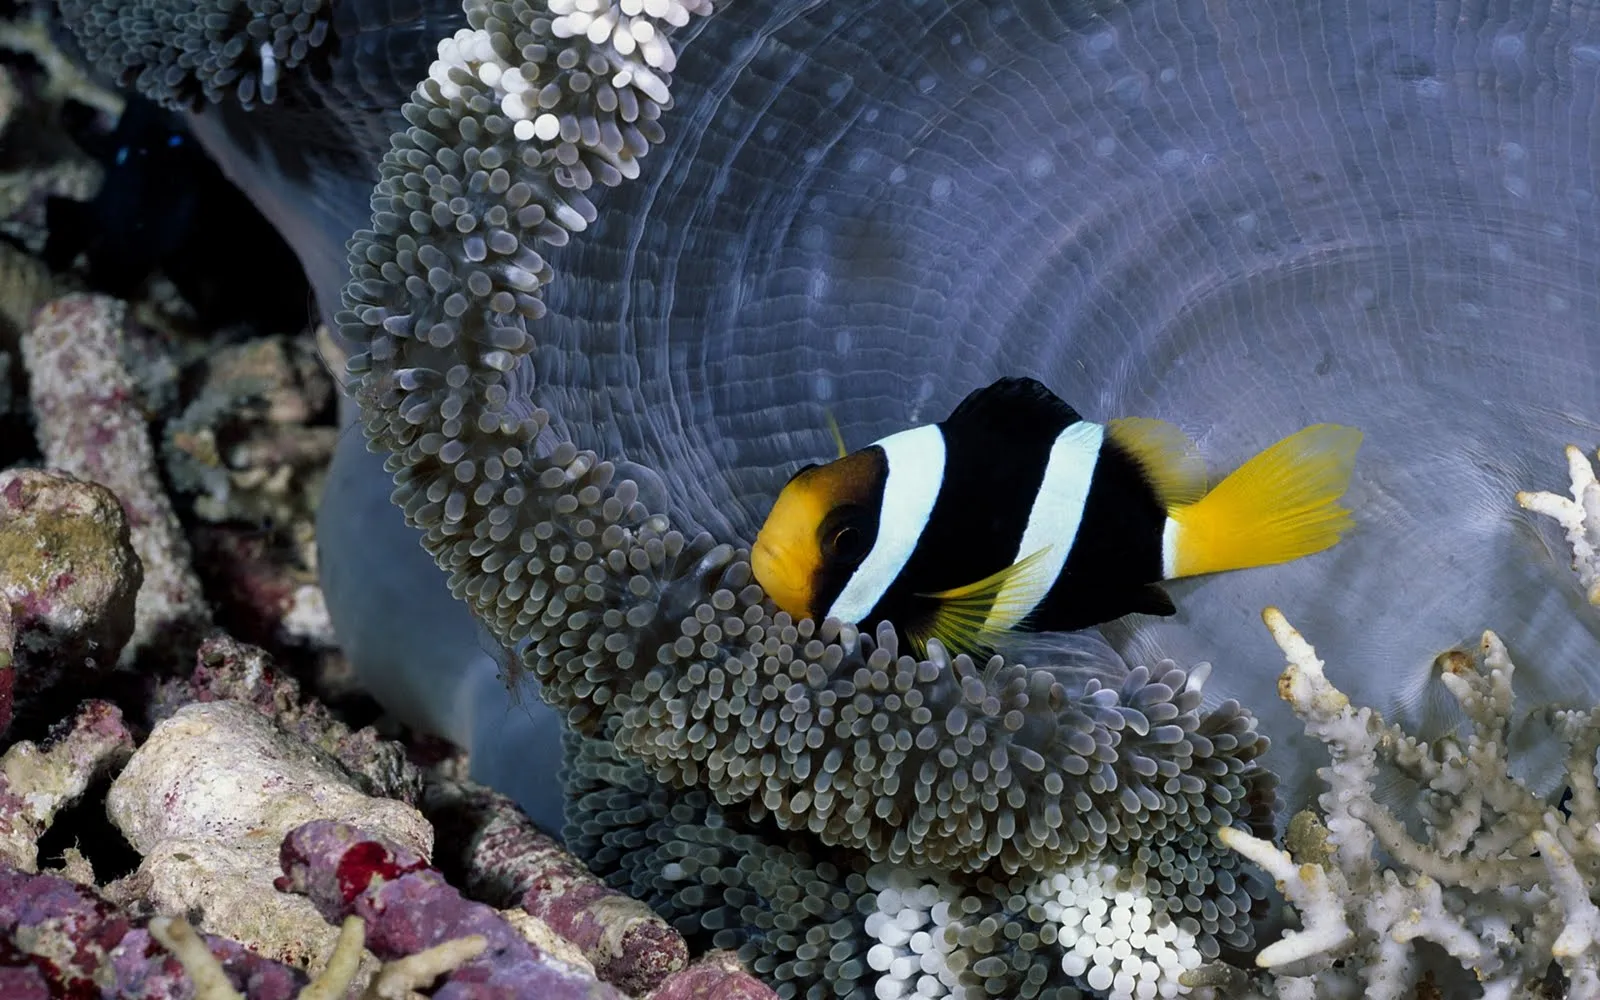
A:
x,y
89,422
68,574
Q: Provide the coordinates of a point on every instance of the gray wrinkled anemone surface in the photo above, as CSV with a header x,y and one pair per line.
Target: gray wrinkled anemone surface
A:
x,y
1241,217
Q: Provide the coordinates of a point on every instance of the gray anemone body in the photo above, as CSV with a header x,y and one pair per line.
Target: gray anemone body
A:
x,y
1242,217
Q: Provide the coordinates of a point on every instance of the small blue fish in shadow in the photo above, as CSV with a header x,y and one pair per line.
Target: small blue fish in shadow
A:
x,y
165,206
145,207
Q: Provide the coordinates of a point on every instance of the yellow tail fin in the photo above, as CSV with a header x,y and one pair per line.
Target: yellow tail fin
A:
x,y
1276,507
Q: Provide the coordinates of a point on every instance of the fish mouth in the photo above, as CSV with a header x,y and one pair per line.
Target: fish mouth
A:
x,y
775,575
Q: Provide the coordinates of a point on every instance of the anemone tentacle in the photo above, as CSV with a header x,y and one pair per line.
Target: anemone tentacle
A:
x,y
203,52
819,922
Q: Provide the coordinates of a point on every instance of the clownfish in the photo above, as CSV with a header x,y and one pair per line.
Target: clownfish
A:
x,y
1016,514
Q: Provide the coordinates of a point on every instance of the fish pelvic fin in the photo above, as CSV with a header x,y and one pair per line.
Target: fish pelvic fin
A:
x,y
1170,461
1278,506
975,617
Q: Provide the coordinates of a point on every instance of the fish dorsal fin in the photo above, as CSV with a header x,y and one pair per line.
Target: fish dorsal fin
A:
x,y
833,429
1015,401
972,618
1171,462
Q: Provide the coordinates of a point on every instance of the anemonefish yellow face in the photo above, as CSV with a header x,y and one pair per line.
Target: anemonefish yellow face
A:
x,y
819,530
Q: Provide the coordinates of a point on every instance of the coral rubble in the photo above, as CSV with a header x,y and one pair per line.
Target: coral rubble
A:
x,y
1580,517
64,940
36,782
207,798
89,423
509,862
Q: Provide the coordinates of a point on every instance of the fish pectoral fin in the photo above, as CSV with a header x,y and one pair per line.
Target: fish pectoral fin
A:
x,y
1151,599
1170,460
974,617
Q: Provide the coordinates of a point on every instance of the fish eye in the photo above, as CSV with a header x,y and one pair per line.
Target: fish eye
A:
x,y
847,543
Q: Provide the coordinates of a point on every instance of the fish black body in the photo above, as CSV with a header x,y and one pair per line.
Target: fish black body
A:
x,y
997,447
1015,513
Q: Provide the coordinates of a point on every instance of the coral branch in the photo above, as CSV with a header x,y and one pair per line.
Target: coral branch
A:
x,y
1580,517
1577,948
1314,891
401,978
343,965
1500,879
210,982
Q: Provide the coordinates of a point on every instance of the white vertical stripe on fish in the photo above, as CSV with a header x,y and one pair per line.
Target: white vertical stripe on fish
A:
x,y
1169,550
1053,521
915,471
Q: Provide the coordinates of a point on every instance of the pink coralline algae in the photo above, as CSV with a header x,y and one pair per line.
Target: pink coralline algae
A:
x,y
409,907
716,976
60,940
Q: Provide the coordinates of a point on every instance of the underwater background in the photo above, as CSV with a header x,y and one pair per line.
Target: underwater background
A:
x,y
591,277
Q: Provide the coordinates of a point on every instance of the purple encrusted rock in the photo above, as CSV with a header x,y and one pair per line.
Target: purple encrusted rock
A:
x,y
509,862
144,970
59,939
718,975
409,907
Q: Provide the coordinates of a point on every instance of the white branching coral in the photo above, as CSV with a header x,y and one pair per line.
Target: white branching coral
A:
x,y
1501,880
1580,516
